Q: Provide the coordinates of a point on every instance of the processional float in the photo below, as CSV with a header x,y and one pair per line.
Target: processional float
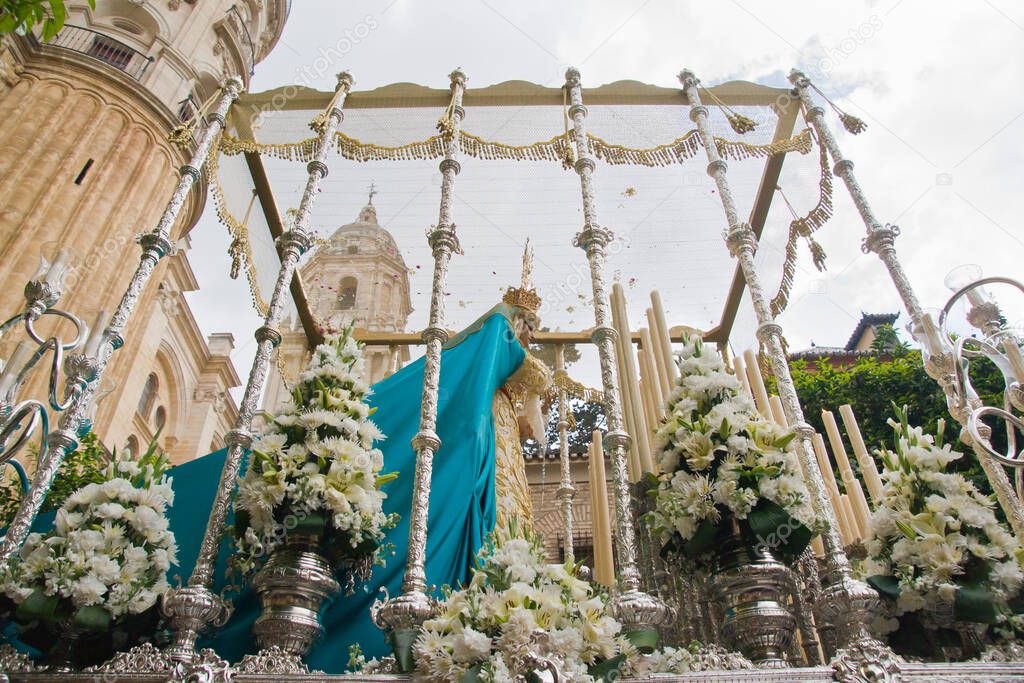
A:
x,y
839,603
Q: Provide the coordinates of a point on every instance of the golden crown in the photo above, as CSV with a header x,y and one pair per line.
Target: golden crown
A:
x,y
523,298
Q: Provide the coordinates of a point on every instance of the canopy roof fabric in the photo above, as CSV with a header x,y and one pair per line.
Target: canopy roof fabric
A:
x,y
667,218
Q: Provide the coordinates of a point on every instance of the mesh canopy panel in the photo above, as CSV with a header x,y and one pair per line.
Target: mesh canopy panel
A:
x,y
668,219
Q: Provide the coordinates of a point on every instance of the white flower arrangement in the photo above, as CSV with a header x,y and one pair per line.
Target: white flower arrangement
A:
x,y
314,469
108,554
516,606
720,458
934,539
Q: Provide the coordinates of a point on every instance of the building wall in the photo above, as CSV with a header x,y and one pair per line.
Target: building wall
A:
x,y
85,162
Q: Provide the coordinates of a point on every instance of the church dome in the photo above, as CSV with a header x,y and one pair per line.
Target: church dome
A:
x,y
365,235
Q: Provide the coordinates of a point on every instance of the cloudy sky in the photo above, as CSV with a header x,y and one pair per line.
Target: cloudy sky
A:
x,y
936,82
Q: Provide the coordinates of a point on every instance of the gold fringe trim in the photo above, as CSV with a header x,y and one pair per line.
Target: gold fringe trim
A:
x,y
558,148
241,248
562,382
805,227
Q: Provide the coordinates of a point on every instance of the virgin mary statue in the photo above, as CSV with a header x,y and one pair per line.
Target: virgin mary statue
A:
x,y
489,399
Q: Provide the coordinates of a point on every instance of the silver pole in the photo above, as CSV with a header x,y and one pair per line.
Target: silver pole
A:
x,y
566,491
846,602
193,608
86,371
633,607
412,608
941,367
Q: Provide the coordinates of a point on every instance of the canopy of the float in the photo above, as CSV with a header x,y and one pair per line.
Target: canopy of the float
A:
x,y
666,213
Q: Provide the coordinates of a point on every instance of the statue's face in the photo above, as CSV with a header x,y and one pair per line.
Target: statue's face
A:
x,y
524,325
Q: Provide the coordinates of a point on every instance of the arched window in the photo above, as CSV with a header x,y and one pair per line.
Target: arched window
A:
x,y
160,417
148,395
347,297
132,446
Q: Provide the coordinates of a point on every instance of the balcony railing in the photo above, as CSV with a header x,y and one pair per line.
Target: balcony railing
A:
x,y
104,48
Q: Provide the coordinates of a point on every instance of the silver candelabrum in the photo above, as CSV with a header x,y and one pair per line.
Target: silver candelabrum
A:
x,y
20,420
948,360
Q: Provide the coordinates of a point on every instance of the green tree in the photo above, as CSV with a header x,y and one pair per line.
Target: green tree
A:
x,y
22,16
872,385
887,342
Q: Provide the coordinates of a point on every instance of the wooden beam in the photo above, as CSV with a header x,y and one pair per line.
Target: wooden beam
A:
x,y
416,338
509,93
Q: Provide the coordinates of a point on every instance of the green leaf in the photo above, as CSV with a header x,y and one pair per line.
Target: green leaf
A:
x,y
472,674
401,644
644,640
92,618
775,529
385,478
976,604
784,441
887,586
608,670
38,605
702,539
312,524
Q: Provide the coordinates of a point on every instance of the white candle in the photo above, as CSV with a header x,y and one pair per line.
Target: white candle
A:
x,y
778,412
741,375
632,399
855,529
57,269
96,334
22,352
603,535
757,384
831,487
654,382
864,459
663,335
858,502
661,362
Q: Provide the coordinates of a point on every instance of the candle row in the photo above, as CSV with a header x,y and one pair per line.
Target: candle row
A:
x,y
852,508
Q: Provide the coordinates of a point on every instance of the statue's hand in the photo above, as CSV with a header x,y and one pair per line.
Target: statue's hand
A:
x,y
525,430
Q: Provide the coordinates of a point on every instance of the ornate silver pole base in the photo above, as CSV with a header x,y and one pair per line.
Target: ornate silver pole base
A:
x,y
190,610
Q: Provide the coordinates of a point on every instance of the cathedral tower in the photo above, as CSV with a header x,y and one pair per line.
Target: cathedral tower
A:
x,y
85,162
357,275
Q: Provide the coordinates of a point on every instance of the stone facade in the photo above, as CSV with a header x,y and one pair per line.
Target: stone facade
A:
x,y
545,480
357,276
85,163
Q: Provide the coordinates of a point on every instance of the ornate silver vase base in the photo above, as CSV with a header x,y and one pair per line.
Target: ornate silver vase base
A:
x,y
292,587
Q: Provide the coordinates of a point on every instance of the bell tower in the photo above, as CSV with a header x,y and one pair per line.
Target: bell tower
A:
x,y
357,275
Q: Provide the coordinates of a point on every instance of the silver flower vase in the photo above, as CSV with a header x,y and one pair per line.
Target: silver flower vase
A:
x,y
753,590
292,586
